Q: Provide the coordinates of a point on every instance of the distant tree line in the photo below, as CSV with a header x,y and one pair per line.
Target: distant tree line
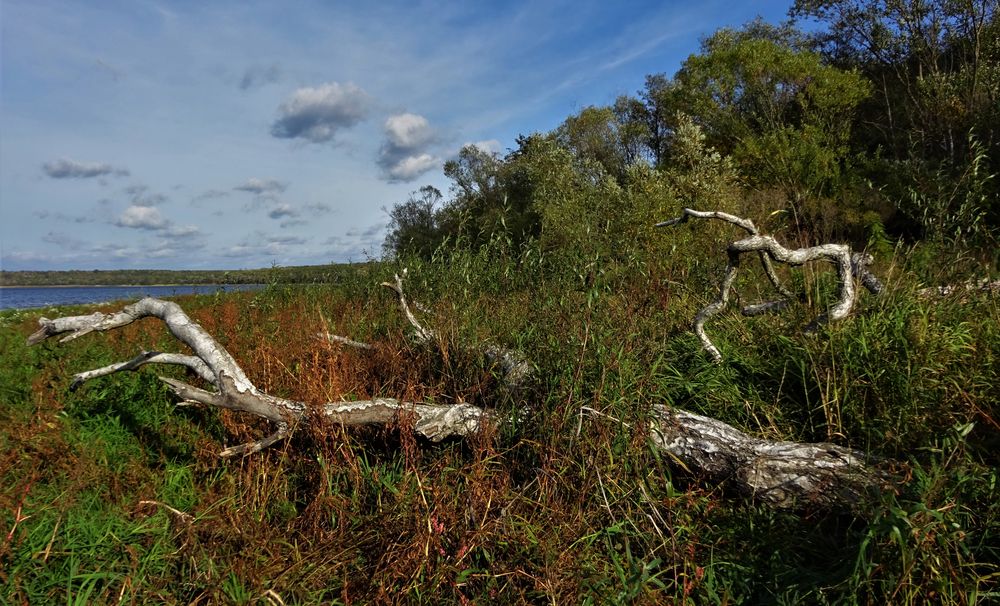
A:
x,y
882,123
306,274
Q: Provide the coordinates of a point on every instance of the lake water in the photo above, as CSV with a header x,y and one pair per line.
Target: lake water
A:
x,y
25,297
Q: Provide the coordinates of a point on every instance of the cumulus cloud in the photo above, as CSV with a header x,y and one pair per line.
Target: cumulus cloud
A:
x,y
404,155
408,131
262,186
142,217
140,196
258,75
316,114
64,168
410,167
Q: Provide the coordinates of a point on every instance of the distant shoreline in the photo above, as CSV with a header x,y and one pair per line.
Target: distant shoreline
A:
x,y
128,285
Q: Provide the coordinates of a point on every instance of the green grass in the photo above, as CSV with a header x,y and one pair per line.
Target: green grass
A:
x,y
564,507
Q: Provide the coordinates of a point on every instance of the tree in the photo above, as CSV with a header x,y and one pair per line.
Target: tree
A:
x,y
934,62
935,118
609,136
783,115
414,225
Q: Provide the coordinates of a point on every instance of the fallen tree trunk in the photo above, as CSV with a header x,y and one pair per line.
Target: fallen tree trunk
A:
x,y
782,474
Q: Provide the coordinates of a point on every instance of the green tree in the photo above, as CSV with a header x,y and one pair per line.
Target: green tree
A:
x,y
783,115
598,134
934,119
415,225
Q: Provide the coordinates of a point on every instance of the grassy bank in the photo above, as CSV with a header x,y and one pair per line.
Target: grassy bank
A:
x,y
561,509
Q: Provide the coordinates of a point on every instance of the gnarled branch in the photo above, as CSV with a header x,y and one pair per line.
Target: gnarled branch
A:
x,y
234,391
850,265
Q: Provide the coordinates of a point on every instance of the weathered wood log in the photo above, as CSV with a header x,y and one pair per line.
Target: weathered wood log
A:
x,y
782,474
851,267
234,391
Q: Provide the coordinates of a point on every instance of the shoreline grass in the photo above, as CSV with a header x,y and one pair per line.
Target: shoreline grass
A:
x,y
562,509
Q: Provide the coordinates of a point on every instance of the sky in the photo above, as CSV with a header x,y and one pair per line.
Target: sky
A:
x,y
228,135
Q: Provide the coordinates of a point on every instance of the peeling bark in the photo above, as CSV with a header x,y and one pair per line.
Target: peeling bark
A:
x,y
965,288
782,474
851,266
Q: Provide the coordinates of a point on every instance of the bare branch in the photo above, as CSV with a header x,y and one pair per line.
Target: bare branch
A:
x,y
851,266
687,213
423,334
970,286
259,445
782,474
148,357
746,224
515,370
343,341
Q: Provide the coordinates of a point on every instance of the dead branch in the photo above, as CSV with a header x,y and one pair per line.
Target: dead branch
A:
x,y
231,389
782,474
423,335
984,285
514,371
851,267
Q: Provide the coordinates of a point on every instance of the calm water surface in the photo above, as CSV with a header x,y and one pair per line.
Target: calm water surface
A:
x,y
74,295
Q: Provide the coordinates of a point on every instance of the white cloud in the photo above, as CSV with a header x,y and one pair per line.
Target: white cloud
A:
x,y
315,114
182,231
282,210
403,156
408,131
64,168
411,167
490,146
142,217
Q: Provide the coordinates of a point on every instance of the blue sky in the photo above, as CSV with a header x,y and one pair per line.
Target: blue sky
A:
x,y
228,135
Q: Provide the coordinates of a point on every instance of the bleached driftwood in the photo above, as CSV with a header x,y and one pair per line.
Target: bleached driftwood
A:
x,y
782,474
851,266
234,391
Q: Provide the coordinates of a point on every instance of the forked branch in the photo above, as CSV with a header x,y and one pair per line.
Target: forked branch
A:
x,y
851,267
233,390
